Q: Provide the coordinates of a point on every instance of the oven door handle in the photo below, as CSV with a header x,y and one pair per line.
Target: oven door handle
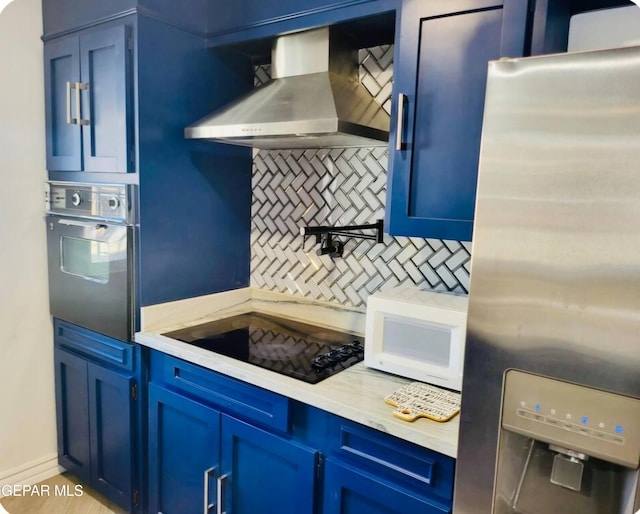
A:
x,y
86,224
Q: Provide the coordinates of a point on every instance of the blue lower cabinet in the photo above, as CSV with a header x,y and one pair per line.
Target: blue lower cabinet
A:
x,y
349,490
264,473
214,448
72,406
184,452
111,418
97,412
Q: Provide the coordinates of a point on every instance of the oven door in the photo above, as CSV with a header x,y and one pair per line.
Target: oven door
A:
x,y
90,274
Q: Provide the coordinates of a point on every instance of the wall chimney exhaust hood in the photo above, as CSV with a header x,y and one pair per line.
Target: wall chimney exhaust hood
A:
x,y
315,100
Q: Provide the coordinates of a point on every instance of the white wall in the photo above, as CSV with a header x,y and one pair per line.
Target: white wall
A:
x,y
27,410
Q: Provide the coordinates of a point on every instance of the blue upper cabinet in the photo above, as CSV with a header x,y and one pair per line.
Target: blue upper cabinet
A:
x,y
440,66
87,99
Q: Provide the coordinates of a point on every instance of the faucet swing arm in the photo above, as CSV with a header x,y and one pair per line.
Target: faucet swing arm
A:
x,y
324,235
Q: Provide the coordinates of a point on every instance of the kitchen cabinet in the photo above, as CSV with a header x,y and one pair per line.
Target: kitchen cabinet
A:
x,y
216,439
96,407
264,472
348,490
440,66
405,477
184,452
87,101
200,455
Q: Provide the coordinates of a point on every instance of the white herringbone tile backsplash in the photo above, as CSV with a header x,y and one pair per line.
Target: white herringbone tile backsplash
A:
x,y
294,188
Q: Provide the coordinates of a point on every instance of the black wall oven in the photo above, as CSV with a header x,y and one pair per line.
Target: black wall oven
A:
x,y
90,243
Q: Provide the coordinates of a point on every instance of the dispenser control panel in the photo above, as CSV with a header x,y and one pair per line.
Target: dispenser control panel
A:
x,y
598,423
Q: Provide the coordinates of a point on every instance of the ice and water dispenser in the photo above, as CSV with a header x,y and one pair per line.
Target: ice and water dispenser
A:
x,y
566,449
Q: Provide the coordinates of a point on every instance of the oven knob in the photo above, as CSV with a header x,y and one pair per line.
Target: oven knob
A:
x,y
76,199
113,203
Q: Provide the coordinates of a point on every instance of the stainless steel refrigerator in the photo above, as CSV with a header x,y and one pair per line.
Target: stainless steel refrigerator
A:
x,y
550,420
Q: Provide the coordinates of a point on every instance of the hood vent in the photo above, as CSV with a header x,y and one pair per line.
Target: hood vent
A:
x,y
314,101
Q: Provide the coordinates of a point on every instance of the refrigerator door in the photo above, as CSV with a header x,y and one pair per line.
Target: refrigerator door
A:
x,y
555,281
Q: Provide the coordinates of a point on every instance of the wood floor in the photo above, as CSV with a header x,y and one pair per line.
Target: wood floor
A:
x,y
89,502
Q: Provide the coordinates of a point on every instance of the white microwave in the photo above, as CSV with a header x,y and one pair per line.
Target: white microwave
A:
x,y
417,333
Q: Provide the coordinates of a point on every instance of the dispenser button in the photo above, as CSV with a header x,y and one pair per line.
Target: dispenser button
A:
x,y
584,420
619,429
553,421
538,407
568,416
601,425
614,438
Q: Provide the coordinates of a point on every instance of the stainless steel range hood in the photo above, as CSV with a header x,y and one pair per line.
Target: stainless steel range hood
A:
x,y
314,101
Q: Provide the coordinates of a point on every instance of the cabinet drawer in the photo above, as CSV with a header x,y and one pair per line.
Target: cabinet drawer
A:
x,y
422,470
231,395
94,346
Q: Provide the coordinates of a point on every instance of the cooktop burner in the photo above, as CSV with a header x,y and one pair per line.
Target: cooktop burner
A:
x,y
298,350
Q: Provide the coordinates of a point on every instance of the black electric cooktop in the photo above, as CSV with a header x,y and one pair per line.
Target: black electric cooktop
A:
x,y
306,352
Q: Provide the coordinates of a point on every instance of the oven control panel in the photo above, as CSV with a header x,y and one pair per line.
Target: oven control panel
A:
x,y
598,423
111,202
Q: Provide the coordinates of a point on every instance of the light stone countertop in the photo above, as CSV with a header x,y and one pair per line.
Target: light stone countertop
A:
x,y
356,393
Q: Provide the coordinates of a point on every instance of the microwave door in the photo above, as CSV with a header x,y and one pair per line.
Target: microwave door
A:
x,y
90,281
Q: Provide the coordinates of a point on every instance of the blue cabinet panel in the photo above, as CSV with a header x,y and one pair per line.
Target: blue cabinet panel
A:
x,y
423,471
195,196
254,19
264,472
61,16
94,346
184,449
64,15
111,415
61,70
104,66
72,414
234,396
440,74
348,490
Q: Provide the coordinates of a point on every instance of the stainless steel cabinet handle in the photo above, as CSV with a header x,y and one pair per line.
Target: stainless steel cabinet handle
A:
x,y
70,120
222,481
400,120
80,86
207,475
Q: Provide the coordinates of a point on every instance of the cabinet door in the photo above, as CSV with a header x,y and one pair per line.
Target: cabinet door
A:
x,y
348,490
265,473
104,65
111,415
440,76
72,414
61,73
184,451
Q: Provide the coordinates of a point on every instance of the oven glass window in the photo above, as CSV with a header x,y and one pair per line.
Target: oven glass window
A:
x,y
85,258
